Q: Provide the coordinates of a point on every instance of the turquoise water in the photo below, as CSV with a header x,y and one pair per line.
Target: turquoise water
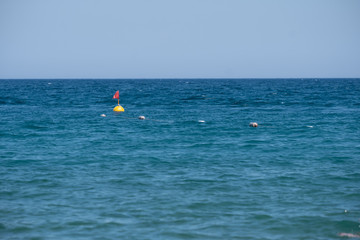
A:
x,y
68,173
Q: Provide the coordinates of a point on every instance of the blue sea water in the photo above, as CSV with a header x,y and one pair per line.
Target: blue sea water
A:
x,y
193,169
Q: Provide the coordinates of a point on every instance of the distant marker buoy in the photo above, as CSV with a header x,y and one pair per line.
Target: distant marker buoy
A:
x,y
350,235
118,108
253,124
142,117
103,115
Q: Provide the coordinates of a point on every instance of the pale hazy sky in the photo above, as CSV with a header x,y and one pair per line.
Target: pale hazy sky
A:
x,y
179,38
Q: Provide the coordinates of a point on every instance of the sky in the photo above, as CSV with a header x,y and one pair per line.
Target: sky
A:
x,y
179,39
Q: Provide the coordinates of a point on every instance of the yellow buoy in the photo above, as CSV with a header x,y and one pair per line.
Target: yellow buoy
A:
x,y
119,109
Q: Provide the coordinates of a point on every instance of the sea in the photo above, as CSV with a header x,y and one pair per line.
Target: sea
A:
x,y
72,168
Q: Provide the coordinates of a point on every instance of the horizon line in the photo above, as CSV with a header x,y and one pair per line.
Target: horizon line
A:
x,y
187,78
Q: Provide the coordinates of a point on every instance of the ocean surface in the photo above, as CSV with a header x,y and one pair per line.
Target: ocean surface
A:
x,y
193,169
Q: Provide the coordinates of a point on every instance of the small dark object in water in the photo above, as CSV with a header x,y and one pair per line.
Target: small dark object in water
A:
x,y
253,124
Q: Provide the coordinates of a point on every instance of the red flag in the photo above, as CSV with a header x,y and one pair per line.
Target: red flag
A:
x,y
116,95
